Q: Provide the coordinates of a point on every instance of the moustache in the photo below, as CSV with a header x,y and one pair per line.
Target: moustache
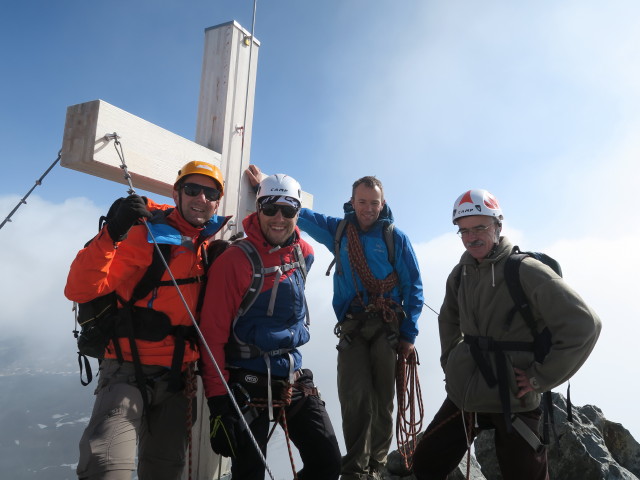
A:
x,y
475,243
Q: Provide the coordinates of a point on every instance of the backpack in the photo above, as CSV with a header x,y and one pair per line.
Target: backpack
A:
x,y
99,319
542,340
387,235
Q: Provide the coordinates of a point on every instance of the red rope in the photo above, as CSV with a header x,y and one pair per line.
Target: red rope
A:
x,y
374,286
408,392
190,390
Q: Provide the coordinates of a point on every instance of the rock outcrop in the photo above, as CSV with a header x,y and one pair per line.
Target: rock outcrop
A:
x,y
589,448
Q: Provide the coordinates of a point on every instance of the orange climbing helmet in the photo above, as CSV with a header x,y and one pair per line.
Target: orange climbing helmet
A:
x,y
201,168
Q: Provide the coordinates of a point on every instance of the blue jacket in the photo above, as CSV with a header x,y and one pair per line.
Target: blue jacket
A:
x,y
409,291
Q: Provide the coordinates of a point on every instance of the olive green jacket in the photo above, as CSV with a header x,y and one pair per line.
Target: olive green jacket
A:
x,y
477,302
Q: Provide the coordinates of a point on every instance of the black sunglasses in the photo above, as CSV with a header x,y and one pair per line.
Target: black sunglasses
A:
x,y
270,209
193,190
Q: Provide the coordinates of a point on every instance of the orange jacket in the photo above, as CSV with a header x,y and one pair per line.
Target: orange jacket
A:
x,y
102,267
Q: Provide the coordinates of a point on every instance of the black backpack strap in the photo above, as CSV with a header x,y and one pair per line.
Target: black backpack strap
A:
x,y
87,367
387,233
151,277
336,248
257,279
521,304
479,346
145,285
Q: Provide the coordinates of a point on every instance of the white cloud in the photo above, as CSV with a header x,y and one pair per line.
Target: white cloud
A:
x,y
36,250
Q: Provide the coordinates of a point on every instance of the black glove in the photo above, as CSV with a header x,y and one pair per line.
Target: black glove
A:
x,y
224,425
127,215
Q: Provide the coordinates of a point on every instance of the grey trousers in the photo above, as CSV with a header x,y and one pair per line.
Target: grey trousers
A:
x,y
117,426
366,388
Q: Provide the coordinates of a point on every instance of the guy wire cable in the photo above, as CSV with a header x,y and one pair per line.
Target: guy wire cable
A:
x,y
114,136
427,305
23,200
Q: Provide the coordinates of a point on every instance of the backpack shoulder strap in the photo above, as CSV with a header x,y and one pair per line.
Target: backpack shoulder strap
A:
x,y
336,248
257,278
151,277
512,278
387,233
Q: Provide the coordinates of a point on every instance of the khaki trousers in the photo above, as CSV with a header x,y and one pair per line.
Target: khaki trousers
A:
x,y
366,388
117,425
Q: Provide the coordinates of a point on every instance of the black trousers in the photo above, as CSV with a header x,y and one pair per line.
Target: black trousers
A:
x,y
444,443
310,430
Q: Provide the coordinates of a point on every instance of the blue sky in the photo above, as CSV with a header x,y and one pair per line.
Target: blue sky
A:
x,y
537,102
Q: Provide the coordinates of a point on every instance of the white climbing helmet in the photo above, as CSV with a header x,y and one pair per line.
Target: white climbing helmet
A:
x,y
279,185
476,202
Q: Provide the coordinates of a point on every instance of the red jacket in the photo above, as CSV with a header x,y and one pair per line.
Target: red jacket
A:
x,y
101,268
228,280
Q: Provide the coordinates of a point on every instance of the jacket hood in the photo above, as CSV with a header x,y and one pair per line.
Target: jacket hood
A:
x,y
501,250
254,234
385,216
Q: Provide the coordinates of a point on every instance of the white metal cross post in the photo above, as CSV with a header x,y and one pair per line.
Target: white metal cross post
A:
x,y
153,155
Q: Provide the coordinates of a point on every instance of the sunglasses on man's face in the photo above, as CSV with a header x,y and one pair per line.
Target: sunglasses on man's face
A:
x,y
193,190
270,209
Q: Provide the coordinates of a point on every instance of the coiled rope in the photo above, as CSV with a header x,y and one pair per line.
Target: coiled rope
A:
x,y
374,286
408,391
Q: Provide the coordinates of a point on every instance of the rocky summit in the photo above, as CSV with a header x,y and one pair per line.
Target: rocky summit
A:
x,y
588,448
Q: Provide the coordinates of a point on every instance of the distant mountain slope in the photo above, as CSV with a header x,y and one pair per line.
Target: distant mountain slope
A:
x,y
42,417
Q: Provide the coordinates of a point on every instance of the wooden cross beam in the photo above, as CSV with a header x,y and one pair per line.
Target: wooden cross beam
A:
x,y
154,155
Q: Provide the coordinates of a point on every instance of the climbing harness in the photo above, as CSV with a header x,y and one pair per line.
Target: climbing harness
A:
x,y
286,397
408,391
23,200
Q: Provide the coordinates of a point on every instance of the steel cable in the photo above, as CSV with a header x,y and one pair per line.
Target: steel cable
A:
x,y
23,200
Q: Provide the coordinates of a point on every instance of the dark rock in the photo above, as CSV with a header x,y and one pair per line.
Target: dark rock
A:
x,y
589,448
